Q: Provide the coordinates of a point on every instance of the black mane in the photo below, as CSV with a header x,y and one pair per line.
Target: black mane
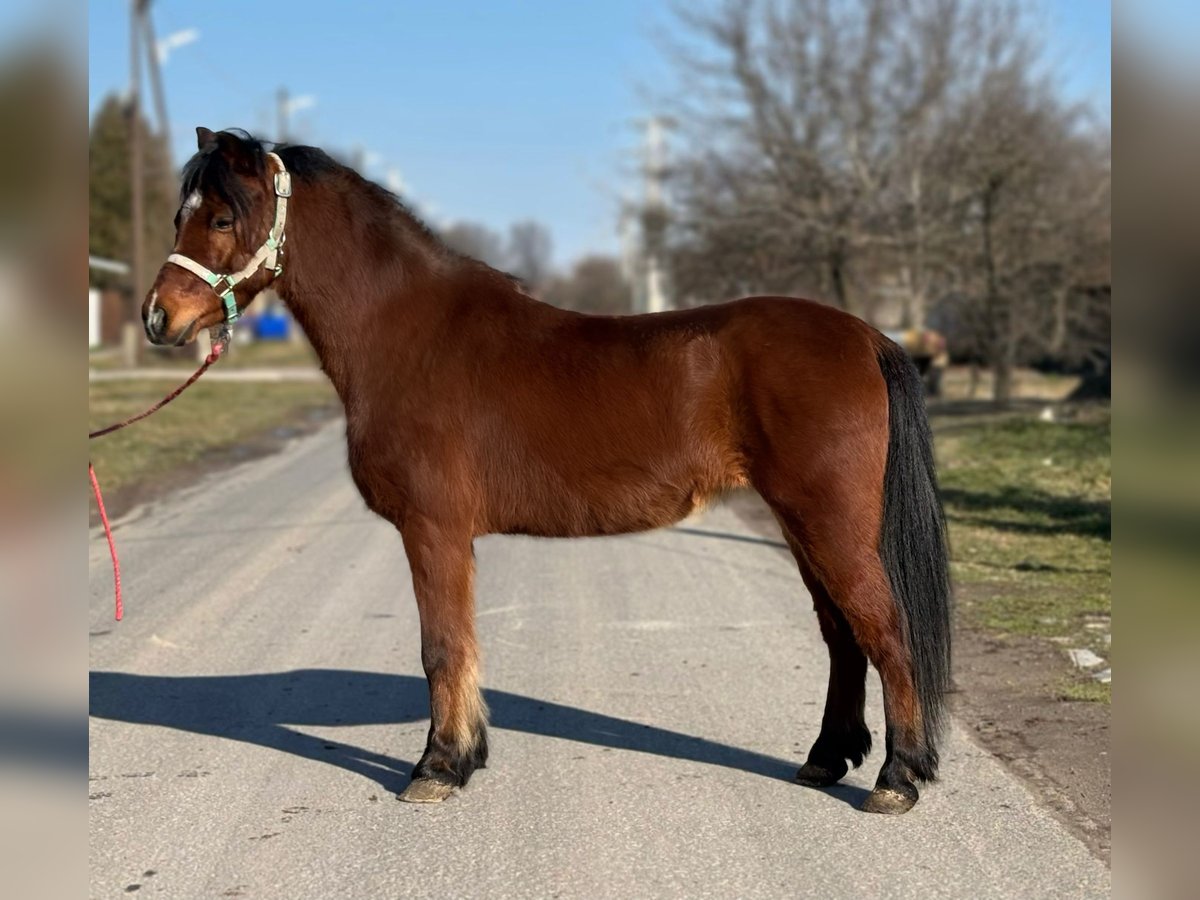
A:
x,y
210,170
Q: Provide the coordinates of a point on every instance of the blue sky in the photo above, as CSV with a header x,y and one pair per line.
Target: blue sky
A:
x,y
489,111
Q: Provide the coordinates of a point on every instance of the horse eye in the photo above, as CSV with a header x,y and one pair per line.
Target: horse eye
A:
x,y
223,223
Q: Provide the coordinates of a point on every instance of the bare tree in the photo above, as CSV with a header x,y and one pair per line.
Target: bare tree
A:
x,y
477,241
815,120
530,253
868,149
595,285
1033,216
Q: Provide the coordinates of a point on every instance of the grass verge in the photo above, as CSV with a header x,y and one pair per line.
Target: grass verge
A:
x,y
210,416
266,354
1030,516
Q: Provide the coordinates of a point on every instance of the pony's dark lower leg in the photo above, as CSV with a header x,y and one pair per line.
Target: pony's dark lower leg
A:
x,y
844,738
875,618
443,567
854,580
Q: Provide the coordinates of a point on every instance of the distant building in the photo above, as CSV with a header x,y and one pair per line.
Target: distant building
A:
x,y
105,305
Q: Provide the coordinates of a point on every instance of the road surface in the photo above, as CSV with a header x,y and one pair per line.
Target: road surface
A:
x,y
256,712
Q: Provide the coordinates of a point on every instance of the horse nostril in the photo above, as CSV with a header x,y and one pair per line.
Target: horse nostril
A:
x,y
155,323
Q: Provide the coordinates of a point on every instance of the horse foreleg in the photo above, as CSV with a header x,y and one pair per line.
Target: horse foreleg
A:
x,y
443,569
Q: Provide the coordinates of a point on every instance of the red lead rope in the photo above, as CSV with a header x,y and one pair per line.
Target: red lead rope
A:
x,y
112,545
217,350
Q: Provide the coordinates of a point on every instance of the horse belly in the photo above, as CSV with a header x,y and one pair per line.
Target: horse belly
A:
x,y
640,448
617,497
616,513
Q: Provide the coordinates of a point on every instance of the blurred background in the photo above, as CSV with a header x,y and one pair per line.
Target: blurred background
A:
x,y
941,168
938,168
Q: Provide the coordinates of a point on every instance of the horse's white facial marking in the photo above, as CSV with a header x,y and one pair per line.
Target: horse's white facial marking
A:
x,y
191,204
153,302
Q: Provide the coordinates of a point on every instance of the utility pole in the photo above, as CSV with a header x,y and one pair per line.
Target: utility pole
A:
x,y
630,251
654,216
131,337
285,105
281,112
160,100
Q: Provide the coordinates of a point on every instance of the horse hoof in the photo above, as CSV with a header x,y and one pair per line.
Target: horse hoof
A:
x,y
813,775
889,802
426,790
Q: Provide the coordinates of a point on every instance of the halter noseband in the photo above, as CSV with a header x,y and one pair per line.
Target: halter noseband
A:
x,y
267,254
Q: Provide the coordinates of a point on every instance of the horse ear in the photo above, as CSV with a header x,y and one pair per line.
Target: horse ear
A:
x,y
236,151
205,139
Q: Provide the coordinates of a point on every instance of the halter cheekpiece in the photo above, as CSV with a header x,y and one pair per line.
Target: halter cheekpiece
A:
x,y
267,255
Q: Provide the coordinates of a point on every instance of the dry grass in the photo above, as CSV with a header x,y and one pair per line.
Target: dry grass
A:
x,y
210,416
265,354
1028,384
1030,515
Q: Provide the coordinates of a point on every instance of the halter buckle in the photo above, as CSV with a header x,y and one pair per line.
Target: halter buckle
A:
x,y
231,311
228,297
283,184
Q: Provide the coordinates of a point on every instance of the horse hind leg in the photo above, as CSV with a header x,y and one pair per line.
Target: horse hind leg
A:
x,y
849,569
844,739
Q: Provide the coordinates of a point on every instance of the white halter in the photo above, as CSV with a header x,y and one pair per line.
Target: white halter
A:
x,y
266,255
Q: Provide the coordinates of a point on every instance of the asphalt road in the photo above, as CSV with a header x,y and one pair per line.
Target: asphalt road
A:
x,y
652,695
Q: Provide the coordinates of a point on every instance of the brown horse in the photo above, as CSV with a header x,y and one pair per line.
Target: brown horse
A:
x,y
472,408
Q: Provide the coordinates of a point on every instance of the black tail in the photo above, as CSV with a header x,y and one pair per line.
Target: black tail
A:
x,y
912,544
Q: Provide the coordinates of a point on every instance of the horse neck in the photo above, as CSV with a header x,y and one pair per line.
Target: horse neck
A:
x,y
361,278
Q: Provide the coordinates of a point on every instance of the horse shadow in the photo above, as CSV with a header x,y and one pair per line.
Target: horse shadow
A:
x,y
268,709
